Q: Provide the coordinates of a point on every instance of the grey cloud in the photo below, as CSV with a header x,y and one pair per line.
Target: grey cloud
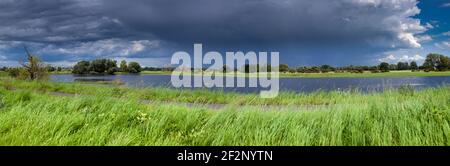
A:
x,y
70,27
382,23
55,21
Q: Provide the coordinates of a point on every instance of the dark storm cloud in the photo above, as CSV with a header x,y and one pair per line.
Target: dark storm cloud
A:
x,y
378,23
66,30
55,21
155,28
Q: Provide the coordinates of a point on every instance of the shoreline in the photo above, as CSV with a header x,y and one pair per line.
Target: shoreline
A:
x,y
310,75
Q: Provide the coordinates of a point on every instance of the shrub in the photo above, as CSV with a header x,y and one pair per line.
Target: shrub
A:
x,y
13,72
134,67
19,73
33,69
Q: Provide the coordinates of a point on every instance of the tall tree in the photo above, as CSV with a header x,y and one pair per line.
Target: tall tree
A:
x,y
413,65
402,66
384,67
81,67
431,62
283,68
444,63
393,67
111,66
98,66
123,66
134,67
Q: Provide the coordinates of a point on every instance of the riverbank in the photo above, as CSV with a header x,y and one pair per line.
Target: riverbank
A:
x,y
31,115
367,74
405,73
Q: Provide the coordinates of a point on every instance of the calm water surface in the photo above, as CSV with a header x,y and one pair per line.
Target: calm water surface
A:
x,y
286,84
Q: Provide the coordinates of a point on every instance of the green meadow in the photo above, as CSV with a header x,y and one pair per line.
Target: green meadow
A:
x,y
50,113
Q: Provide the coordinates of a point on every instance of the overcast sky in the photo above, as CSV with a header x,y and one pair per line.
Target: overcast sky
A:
x,y
305,32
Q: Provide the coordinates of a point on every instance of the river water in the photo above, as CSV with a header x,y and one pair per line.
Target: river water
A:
x,y
286,84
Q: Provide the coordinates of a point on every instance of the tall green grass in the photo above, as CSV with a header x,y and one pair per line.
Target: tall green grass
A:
x,y
198,96
30,117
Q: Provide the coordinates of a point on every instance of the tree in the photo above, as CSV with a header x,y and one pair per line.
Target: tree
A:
x,y
431,62
123,66
314,69
373,69
436,62
300,69
444,63
326,68
35,69
111,66
50,68
134,67
393,67
101,66
284,68
384,67
269,68
413,66
402,66
98,66
82,67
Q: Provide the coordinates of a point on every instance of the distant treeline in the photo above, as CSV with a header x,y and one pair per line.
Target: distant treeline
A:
x,y
433,62
105,66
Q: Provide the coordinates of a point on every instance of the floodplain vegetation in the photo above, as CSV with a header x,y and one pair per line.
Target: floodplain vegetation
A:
x,y
50,113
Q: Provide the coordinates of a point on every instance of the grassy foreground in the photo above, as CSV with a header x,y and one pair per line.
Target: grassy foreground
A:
x,y
29,115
